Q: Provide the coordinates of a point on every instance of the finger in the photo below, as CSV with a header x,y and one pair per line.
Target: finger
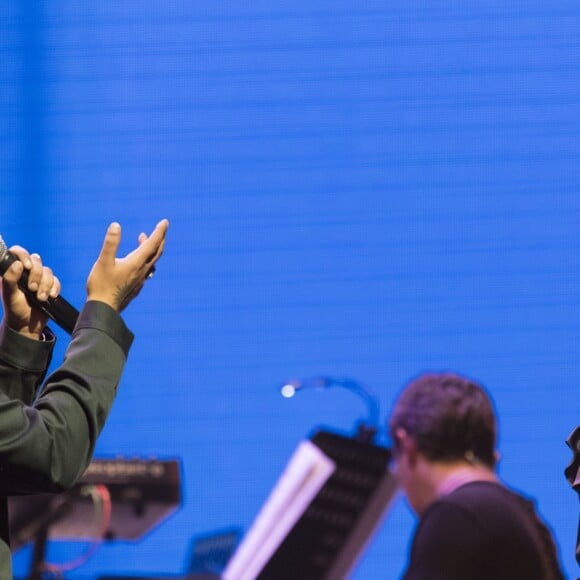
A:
x,y
158,236
22,255
54,290
46,284
111,244
13,273
151,248
35,273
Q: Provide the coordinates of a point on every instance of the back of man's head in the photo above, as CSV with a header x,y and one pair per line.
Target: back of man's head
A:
x,y
448,416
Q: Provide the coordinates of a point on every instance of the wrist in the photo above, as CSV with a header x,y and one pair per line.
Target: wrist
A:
x,y
23,352
34,332
34,335
107,299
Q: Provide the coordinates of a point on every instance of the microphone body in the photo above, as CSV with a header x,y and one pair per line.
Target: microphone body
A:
x,y
58,309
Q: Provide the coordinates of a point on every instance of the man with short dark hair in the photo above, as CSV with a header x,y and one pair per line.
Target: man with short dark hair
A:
x,y
471,527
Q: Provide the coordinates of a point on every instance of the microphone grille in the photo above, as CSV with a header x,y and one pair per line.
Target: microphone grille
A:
x,y
3,248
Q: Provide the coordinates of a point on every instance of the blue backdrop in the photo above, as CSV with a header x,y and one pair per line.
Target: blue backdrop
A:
x,y
367,189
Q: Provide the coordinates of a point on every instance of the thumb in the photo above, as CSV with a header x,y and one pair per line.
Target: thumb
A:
x,y
111,243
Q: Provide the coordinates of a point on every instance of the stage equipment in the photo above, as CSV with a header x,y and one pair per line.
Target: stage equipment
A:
x,y
206,560
115,499
320,515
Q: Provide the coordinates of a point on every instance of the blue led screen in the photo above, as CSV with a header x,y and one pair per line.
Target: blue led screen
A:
x,y
361,189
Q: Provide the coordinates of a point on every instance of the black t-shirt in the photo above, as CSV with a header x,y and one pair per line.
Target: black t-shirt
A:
x,y
482,531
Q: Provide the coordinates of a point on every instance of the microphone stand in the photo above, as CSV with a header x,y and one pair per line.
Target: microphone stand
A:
x,y
40,535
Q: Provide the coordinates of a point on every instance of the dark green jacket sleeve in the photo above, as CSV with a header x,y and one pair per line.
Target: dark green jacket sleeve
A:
x,y
47,439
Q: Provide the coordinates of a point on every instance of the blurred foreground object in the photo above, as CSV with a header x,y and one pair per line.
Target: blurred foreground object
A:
x,y
115,499
573,474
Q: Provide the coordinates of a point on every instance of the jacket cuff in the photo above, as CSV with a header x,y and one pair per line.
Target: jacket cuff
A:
x,y
25,353
100,316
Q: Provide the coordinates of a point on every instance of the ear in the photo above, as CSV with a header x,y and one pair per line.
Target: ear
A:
x,y
407,446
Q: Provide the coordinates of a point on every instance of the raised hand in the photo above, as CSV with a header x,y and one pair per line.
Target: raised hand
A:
x,y
116,281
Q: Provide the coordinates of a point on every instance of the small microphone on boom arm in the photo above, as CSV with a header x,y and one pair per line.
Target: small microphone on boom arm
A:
x,y
366,429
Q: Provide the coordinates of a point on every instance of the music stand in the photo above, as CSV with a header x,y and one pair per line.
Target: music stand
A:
x,y
320,515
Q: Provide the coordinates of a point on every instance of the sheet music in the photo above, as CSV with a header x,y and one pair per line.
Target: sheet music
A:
x,y
305,474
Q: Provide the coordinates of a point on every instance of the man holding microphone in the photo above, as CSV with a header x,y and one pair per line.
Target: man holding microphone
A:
x,y
48,430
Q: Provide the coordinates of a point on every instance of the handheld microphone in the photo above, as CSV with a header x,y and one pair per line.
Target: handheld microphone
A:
x,y
58,309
